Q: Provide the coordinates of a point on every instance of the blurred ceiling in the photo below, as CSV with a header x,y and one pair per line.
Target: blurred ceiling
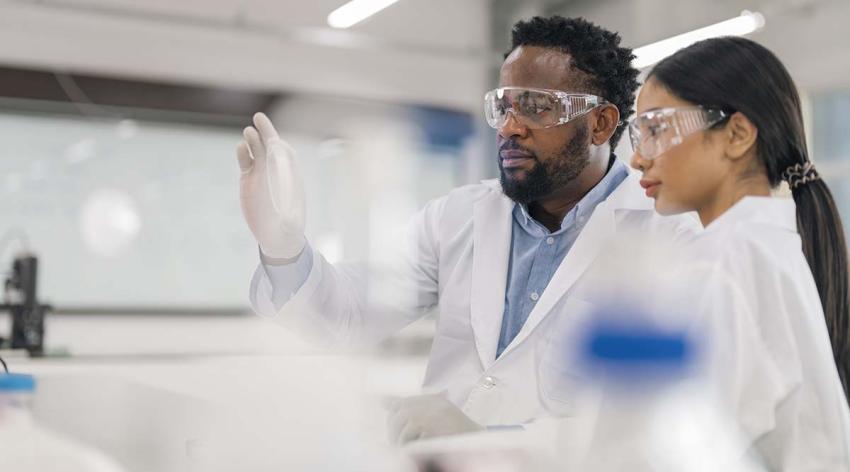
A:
x,y
405,53
809,36
430,52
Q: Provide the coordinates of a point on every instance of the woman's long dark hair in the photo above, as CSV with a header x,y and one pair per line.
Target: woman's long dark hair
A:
x,y
738,75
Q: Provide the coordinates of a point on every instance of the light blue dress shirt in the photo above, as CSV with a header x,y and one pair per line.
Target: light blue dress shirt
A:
x,y
535,255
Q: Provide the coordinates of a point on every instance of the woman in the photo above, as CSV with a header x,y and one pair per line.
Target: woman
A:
x,y
718,128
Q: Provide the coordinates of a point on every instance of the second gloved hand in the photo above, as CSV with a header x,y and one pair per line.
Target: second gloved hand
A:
x,y
427,416
270,191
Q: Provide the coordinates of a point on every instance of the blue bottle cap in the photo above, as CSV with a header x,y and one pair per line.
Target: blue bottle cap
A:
x,y
617,345
636,353
17,383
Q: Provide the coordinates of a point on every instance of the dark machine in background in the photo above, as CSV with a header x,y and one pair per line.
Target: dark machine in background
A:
x,y
27,314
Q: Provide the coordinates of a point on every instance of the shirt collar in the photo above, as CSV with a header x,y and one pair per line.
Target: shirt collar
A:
x,y
584,208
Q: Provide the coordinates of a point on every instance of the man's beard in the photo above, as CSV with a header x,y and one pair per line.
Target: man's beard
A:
x,y
544,178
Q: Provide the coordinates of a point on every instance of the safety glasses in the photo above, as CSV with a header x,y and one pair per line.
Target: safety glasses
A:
x,y
536,108
654,132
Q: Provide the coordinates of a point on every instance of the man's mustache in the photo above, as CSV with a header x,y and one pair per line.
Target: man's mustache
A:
x,y
513,145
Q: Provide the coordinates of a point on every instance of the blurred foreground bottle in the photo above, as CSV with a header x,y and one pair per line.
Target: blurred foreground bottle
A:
x,y
654,409
26,446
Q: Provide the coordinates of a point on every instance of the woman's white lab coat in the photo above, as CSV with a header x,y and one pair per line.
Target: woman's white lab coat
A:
x,y
772,357
457,260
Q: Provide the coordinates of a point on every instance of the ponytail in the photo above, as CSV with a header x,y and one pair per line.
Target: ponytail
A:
x,y
825,248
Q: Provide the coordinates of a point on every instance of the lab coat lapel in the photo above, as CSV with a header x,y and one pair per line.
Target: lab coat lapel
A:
x,y
492,226
591,240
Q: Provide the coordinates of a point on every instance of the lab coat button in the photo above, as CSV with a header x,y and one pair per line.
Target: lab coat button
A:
x,y
488,382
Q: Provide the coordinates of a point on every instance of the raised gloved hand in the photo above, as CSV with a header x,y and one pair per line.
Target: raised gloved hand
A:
x,y
427,416
270,191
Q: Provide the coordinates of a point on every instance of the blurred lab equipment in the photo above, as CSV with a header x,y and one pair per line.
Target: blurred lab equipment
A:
x,y
20,299
27,446
655,410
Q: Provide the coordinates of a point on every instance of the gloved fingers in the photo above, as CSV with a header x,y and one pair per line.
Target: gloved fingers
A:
x,y
264,125
243,156
255,144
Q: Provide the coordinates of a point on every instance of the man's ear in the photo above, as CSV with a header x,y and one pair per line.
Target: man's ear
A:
x,y
604,122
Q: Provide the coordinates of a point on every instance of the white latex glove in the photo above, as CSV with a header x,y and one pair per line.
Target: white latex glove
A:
x,y
427,416
270,191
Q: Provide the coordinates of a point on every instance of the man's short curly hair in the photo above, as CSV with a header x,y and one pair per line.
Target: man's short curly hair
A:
x,y
594,50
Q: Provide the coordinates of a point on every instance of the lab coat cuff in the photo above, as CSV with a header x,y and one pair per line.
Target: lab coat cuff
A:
x,y
301,303
286,279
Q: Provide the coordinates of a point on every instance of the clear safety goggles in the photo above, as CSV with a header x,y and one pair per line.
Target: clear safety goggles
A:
x,y
536,108
655,131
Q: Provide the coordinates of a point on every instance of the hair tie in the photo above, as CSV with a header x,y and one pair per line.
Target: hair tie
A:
x,y
800,174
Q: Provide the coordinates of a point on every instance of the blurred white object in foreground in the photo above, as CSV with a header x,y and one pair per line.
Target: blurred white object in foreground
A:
x,y
256,413
644,355
27,446
655,410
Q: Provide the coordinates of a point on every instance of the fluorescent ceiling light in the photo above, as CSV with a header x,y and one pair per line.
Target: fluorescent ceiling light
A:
x,y
742,25
356,11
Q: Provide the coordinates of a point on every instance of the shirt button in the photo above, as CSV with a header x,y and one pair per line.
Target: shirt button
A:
x,y
534,296
581,219
488,382
550,240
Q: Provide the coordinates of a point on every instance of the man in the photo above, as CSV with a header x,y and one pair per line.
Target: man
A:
x,y
503,260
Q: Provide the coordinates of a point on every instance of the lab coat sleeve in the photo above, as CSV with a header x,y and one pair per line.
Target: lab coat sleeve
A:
x,y
357,303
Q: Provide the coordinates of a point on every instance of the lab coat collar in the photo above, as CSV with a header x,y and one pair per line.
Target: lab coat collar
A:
x,y
630,195
492,235
775,211
492,183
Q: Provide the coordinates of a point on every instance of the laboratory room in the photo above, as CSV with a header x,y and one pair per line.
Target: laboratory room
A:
x,y
424,235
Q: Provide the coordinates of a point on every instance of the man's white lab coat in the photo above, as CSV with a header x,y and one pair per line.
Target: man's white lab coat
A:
x,y
456,259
